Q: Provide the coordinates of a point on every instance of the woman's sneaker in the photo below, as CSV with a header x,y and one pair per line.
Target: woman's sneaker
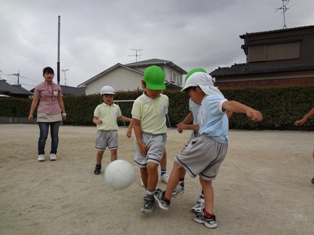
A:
x,y
209,222
41,158
53,157
199,205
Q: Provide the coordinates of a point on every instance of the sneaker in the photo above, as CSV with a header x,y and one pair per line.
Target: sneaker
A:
x,y
179,190
209,222
312,180
41,157
149,205
199,205
159,194
53,157
97,169
164,178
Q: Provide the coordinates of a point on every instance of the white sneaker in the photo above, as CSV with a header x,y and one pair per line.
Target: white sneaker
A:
x,y
179,190
41,157
199,206
53,157
164,178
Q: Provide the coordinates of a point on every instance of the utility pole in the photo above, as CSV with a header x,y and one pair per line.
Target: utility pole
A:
x,y
58,63
65,79
18,77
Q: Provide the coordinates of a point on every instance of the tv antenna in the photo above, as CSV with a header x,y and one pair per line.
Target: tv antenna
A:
x,y
137,53
284,8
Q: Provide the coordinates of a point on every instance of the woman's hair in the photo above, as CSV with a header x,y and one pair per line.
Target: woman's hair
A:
x,y
48,70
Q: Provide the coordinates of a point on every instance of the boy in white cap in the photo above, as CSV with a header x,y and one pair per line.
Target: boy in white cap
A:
x,y
149,119
205,153
186,124
105,117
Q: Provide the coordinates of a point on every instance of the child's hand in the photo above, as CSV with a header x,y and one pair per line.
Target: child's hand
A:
x,y
299,122
129,133
99,122
143,149
254,115
180,127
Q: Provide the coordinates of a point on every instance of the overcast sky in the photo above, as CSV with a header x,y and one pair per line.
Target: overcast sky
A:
x,y
97,34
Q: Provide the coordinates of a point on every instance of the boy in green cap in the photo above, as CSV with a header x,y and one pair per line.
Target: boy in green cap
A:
x,y
149,121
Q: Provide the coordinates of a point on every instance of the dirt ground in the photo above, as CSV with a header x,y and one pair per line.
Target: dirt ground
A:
x,y
263,187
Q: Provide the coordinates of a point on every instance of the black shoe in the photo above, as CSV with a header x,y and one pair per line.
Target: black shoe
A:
x,y
97,169
209,222
149,205
312,180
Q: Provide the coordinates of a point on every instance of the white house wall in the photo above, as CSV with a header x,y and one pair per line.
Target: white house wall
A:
x,y
120,79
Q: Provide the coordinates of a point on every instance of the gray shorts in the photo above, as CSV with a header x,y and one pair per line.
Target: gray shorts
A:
x,y
155,144
203,156
193,135
106,139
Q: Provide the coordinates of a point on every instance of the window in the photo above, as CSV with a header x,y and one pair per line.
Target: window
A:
x,y
282,51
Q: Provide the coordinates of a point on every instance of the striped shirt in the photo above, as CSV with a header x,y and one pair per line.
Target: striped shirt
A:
x,y
48,98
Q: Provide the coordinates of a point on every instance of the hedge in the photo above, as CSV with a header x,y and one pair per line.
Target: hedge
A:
x,y
281,107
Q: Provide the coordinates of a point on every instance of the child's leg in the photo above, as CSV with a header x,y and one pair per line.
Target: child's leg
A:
x,y
208,195
163,168
143,172
114,155
99,155
152,176
176,173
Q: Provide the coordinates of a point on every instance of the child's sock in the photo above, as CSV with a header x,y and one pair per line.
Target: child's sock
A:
x,y
163,171
181,182
207,213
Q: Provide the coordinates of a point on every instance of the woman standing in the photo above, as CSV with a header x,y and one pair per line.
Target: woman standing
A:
x,y
50,112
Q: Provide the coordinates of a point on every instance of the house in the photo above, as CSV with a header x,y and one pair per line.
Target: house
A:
x,y
16,91
69,90
282,57
127,77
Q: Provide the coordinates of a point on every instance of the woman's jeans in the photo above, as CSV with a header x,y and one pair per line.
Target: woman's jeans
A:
x,y
54,132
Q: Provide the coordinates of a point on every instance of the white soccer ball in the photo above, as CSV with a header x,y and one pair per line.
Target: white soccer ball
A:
x,y
119,174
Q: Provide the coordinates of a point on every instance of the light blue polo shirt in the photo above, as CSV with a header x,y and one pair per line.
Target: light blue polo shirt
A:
x,y
194,109
212,119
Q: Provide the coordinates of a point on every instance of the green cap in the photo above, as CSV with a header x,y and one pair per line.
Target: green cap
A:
x,y
154,77
195,70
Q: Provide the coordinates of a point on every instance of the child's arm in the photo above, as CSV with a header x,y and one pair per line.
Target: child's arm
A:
x,y
138,135
129,130
305,118
185,123
237,107
97,121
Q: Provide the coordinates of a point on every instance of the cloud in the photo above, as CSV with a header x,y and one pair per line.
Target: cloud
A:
x,y
97,34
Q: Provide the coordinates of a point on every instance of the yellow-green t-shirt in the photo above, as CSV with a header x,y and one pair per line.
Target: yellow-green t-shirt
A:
x,y
151,113
108,115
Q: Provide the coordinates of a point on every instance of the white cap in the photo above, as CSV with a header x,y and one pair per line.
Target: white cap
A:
x,y
204,81
107,90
